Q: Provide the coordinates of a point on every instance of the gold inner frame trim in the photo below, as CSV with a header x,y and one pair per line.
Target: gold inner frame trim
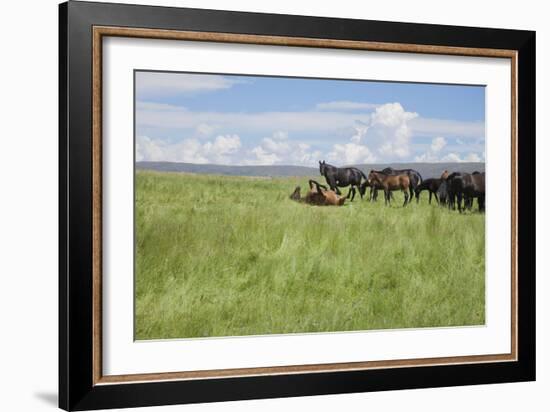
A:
x,y
101,31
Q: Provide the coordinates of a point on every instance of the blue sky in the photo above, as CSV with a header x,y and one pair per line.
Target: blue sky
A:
x,y
209,118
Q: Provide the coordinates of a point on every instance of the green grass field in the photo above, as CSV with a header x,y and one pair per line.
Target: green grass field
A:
x,y
229,256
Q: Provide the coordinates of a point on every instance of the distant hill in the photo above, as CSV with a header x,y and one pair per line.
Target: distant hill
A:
x,y
425,169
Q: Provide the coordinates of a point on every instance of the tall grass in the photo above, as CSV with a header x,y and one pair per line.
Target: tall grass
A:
x,y
228,256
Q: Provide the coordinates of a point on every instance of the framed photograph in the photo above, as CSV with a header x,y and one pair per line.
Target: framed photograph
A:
x,y
256,205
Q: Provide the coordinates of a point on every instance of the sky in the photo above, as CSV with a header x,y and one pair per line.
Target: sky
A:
x,y
255,120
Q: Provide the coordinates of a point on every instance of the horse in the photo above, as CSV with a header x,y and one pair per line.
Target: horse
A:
x,y
414,177
442,193
431,185
342,177
318,195
374,187
389,183
467,186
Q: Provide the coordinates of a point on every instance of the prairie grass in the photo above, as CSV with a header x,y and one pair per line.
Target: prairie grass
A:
x,y
230,256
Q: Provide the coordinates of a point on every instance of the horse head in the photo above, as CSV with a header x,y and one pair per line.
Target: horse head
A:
x,y
372,177
322,166
296,195
363,187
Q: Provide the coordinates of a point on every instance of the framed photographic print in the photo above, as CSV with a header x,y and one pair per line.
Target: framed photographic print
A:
x,y
256,205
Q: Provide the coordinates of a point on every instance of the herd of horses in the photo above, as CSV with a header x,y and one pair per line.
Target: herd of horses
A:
x,y
455,190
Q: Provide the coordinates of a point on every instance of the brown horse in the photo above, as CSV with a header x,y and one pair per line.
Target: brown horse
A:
x,y
318,195
390,183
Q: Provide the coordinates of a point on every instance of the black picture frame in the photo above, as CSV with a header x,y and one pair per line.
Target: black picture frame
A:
x,y
77,390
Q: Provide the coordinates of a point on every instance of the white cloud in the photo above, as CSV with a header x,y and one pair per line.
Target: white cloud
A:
x,y
222,147
151,107
149,149
389,132
350,153
149,84
384,134
261,157
205,130
451,157
422,126
438,144
343,105
278,149
164,116
360,132
472,157
154,115
433,153
454,157
220,150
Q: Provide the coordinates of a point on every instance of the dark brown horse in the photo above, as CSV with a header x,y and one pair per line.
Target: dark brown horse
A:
x,y
432,186
467,186
390,183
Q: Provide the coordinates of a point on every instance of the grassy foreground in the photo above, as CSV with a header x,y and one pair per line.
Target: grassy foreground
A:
x,y
229,256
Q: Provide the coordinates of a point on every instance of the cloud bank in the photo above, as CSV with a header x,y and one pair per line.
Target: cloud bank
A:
x,y
378,133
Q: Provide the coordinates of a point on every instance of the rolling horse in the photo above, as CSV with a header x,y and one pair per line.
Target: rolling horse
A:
x,y
318,195
342,177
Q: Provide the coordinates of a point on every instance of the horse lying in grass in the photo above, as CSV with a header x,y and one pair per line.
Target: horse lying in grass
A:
x,y
318,195
390,183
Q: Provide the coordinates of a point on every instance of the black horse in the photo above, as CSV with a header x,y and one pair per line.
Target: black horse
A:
x,y
466,186
432,186
342,177
442,193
